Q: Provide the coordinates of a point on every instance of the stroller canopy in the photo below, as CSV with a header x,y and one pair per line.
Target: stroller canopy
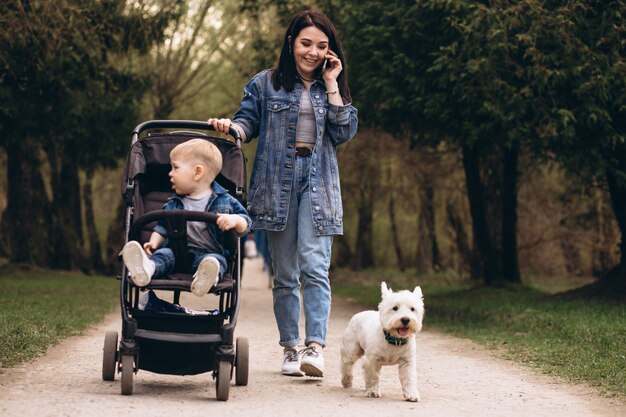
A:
x,y
149,158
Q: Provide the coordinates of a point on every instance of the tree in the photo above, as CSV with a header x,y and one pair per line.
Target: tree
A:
x,y
199,54
587,76
426,75
499,79
67,93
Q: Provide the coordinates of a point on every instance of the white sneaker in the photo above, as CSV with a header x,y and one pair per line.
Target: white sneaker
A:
x,y
312,362
291,363
207,275
140,267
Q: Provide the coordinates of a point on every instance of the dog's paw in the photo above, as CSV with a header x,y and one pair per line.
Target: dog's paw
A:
x,y
372,394
412,396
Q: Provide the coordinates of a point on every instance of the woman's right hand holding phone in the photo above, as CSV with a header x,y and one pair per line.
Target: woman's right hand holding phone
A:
x,y
332,66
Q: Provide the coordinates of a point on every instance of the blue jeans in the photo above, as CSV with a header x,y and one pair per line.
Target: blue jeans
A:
x,y
164,261
307,268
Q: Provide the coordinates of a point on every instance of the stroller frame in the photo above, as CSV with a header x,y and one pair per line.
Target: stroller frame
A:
x,y
174,343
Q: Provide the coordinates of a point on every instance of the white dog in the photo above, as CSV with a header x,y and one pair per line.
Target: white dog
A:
x,y
385,337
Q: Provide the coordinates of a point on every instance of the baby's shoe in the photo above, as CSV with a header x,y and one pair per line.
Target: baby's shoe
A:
x,y
140,267
207,275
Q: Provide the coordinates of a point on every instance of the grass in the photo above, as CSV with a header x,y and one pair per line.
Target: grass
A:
x,y
39,308
577,340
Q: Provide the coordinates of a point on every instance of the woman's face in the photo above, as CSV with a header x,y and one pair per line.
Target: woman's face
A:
x,y
309,50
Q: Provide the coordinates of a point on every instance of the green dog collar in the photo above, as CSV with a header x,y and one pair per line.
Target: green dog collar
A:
x,y
396,341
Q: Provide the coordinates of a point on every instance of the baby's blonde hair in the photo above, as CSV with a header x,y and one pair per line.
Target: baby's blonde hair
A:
x,y
200,151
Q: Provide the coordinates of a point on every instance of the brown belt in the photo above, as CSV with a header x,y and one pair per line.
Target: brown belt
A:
x,y
303,151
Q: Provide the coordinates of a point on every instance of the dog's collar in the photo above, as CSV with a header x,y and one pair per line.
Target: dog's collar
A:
x,y
396,341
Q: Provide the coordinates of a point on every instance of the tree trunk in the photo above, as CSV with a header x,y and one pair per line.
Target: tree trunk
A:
x,y
422,257
601,249
492,178
67,236
394,233
4,243
364,254
462,243
115,240
510,262
427,226
478,210
613,284
616,279
163,106
26,220
571,253
428,207
342,251
95,249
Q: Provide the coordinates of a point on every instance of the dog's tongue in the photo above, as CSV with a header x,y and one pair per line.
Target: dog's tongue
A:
x,y
403,331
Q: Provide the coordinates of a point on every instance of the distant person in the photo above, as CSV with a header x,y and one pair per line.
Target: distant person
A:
x,y
300,111
250,247
260,237
195,164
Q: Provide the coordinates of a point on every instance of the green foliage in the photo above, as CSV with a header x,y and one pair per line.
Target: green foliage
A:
x,y
65,85
388,51
284,9
37,309
68,90
580,340
268,20
540,79
549,75
194,71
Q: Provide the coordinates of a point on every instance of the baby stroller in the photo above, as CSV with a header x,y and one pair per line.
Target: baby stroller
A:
x,y
176,342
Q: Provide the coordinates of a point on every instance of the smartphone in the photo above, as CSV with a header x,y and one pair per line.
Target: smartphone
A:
x,y
324,65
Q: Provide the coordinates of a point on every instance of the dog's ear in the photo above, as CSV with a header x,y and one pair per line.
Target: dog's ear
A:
x,y
418,292
384,290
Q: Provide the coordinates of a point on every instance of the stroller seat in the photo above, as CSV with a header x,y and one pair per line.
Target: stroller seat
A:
x,y
182,277
153,189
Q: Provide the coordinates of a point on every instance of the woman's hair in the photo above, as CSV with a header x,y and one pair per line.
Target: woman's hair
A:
x,y
285,73
200,151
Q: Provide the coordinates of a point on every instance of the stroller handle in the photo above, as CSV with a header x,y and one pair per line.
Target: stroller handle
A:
x,y
180,124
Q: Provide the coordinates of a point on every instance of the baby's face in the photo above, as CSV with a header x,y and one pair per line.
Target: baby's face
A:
x,y
182,176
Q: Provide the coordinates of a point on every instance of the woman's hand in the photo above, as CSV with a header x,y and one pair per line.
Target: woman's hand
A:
x,y
330,74
220,125
333,67
224,126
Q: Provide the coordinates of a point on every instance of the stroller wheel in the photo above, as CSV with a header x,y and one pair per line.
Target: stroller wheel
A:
x,y
242,360
109,356
223,380
127,374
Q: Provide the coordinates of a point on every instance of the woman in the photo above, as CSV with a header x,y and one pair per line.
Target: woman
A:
x,y
300,111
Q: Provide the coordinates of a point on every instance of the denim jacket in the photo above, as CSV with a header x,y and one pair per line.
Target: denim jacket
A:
x,y
272,116
220,202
